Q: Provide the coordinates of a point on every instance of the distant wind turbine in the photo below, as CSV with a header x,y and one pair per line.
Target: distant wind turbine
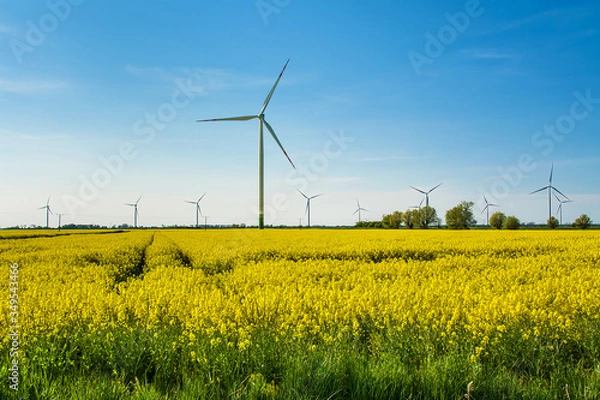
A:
x,y
261,161
48,212
135,211
308,199
426,193
198,209
358,210
550,188
487,208
560,206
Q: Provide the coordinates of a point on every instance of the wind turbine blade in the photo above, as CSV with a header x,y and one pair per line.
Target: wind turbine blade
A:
x,y
485,208
421,203
364,209
417,189
317,195
243,118
199,209
303,195
307,206
278,142
138,200
129,204
539,190
354,213
191,202
551,171
435,187
201,197
561,193
268,99
50,211
493,205
484,199
48,201
42,208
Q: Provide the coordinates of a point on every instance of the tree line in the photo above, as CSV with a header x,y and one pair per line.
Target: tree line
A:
x,y
459,217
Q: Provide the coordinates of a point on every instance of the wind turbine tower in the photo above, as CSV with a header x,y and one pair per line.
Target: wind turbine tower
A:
x,y
426,193
308,199
198,209
48,212
550,188
487,208
261,159
358,210
135,211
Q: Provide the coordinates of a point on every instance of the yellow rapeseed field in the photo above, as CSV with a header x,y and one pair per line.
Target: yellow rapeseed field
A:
x,y
475,291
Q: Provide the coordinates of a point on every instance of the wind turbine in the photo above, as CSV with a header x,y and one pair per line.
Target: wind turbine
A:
x,y
359,209
308,199
487,208
48,212
560,206
261,159
198,209
426,193
135,211
550,188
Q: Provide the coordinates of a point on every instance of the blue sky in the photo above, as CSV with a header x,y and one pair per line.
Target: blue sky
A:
x,y
98,103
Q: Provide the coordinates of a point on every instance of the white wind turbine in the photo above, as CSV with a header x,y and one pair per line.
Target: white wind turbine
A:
x,y
550,188
487,208
198,209
48,212
426,193
261,161
358,210
308,199
560,206
135,211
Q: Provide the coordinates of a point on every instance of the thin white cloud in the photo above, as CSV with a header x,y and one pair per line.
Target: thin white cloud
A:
x,y
387,158
341,179
489,54
28,87
209,78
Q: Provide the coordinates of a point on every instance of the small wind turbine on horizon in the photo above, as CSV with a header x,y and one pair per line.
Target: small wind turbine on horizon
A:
x,y
550,188
426,193
261,160
487,208
198,209
308,199
48,212
358,210
560,207
135,211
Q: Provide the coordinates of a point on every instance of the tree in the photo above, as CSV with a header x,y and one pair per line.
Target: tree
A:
x,y
392,221
461,216
552,222
425,216
497,220
409,218
582,222
512,222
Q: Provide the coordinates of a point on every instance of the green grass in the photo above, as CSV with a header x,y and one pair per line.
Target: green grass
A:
x,y
139,364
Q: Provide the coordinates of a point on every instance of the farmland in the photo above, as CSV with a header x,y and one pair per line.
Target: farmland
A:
x,y
303,314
